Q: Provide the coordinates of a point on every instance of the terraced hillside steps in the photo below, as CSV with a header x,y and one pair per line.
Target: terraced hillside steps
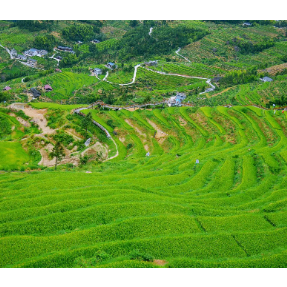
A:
x,y
228,210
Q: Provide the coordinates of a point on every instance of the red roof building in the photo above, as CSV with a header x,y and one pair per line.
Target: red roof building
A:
x,y
48,88
7,88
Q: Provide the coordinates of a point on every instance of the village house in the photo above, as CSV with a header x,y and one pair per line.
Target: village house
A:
x,y
21,57
176,100
35,53
7,88
32,62
65,49
247,24
95,41
36,94
266,79
151,63
216,79
79,42
13,52
58,70
111,66
31,53
98,71
48,88
42,53
59,57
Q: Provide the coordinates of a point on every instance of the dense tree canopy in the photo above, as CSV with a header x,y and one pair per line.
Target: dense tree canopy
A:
x,y
46,42
34,25
79,32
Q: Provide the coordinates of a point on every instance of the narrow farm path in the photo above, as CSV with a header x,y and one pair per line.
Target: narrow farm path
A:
x,y
78,111
8,51
177,52
55,59
208,81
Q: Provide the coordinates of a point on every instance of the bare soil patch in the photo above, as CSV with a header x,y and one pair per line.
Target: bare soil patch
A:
x,y
129,122
160,262
160,136
47,161
182,121
23,122
39,118
95,149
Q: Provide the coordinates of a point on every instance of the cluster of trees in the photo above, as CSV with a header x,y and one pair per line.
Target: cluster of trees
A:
x,y
69,60
46,42
34,25
7,75
5,126
149,23
96,23
3,97
282,101
281,23
239,77
138,42
249,47
258,22
80,32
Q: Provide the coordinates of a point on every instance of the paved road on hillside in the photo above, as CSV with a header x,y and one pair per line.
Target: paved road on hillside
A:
x,y
177,52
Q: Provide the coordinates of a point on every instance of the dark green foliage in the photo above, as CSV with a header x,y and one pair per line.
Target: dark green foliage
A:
x,y
34,25
69,60
138,42
136,254
251,48
239,77
5,126
63,138
79,32
46,42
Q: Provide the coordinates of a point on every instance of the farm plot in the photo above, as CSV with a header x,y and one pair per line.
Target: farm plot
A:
x,y
211,193
66,84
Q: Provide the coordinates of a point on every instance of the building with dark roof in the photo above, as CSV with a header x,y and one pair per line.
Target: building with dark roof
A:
x,y
35,93
216,79
111,65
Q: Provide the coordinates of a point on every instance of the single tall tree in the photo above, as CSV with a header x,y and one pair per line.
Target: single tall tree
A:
x,y
57,152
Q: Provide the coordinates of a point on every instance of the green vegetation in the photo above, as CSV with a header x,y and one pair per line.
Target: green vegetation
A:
x,y
135,211
212,190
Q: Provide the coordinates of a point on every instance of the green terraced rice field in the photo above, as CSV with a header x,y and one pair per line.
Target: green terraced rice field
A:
x,y
12,156
229,210
65,84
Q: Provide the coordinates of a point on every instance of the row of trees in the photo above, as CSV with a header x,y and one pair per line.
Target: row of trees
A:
x,y
249,47
33,25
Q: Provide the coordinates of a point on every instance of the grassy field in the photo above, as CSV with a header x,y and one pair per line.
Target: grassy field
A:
x,y
229,210
12,156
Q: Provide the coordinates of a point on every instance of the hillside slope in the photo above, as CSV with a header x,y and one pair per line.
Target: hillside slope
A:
x,y
165,210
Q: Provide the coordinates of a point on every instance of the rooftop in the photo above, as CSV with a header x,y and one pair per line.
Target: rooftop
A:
x,y
48,87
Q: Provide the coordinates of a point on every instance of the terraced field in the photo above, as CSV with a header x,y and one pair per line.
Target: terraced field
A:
x,y
229,210
12,154
65,84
